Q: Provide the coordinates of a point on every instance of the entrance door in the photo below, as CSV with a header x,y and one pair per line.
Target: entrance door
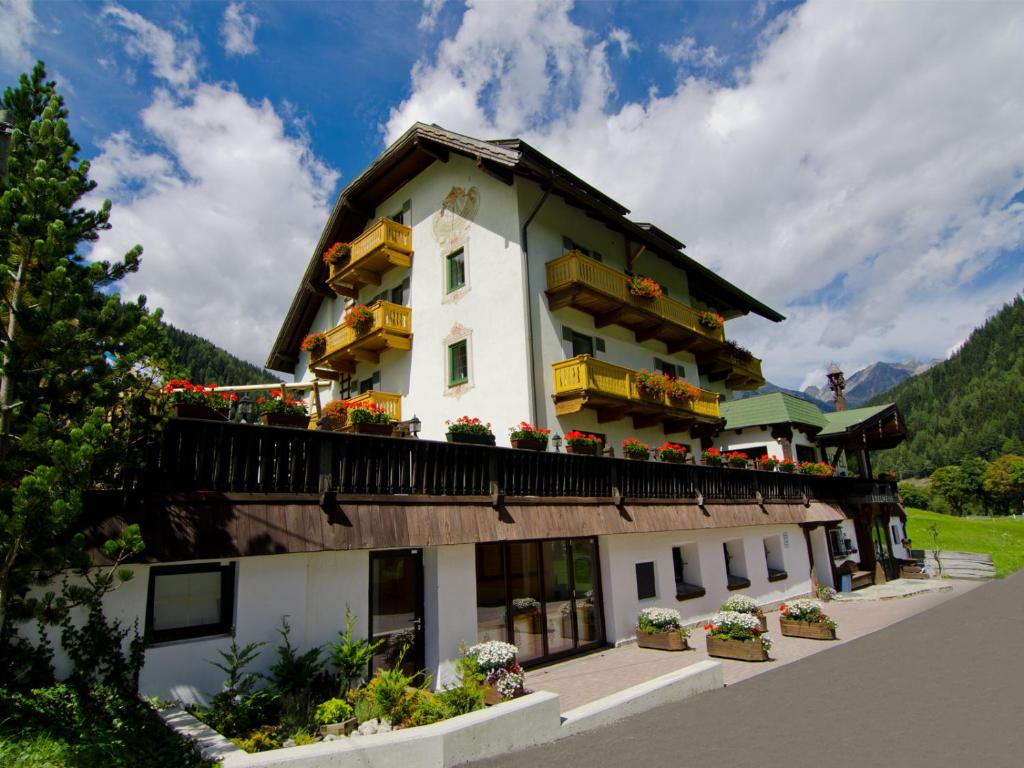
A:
x,y
883,548
396,608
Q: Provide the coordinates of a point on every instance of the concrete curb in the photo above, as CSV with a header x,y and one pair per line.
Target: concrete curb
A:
x,y
673,687
207,742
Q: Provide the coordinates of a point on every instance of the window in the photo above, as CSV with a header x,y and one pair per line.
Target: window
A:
x,y
580,343
805,453
403,216
188,601
774,560
456,269
841,544
371,384
669,369
345,386
400,292
458,363
645,587
686,564
735,565
571,245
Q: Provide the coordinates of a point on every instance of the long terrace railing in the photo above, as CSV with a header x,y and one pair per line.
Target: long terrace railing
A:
x,y
197,455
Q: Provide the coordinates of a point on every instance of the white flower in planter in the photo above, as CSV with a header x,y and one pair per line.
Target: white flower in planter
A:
x,y
740,604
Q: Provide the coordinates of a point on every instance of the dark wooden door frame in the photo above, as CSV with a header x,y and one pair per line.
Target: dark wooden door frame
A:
x,y
419,647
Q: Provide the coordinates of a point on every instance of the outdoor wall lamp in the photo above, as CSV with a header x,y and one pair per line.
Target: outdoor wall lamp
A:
x,y
557,442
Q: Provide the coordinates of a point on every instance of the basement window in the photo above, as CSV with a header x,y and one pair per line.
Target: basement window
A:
x,y
735,565
686,563
774,561
189,601
646,588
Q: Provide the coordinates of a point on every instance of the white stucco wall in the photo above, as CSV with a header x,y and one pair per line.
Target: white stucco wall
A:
x,y
449,601
750,437
619,555
822,565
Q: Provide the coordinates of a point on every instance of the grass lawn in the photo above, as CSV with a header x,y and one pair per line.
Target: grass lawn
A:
x,y
1001,537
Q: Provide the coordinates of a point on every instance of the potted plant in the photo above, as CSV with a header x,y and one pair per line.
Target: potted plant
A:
x,y
336,254
681,390
884,475
496,662
737,352
712,457
279,410
739,636
315,344
198,401
651,383
466,429
366,418
661,629
635,450
673,453
816,468
336,412
526,614
737,459
645,288
528,437
581,442
711,320
767,463
359,318
804,618
744,604
787,465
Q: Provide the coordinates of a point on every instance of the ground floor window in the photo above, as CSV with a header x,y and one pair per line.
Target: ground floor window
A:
x,y
186,601
805,453
686,564
774,560
543,596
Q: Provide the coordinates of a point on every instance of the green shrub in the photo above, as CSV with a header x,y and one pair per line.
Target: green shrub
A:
x,y
350,656
464,698
262,739
365,709
233,717
333,711
429,708
301,738
293,671
914,496
391,692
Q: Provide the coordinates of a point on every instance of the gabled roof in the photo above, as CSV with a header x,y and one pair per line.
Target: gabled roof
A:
x,y
504,159
843,421
774,408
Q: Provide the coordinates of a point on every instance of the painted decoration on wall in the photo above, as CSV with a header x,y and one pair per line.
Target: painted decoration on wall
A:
x,y
452,222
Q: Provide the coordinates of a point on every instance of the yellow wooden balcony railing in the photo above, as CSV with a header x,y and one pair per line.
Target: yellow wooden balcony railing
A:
x,y
574,280
389,328
385,245
613,391
738,371
392,404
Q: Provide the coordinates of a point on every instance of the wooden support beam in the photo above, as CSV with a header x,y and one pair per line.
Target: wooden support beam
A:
x,y
646,334
608,318
504,176
319,289
365,355
644,420
326,373
356,208
366,276
606,414
429,148
678,345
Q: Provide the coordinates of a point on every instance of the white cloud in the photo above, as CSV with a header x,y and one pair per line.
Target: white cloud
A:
x,y
624,40
174,60
17,31
870,146
686,51
238,30
431,10
228,204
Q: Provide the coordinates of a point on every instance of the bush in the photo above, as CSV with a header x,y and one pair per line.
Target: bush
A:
x,y
350,656
463,699
392,695
233,716
262,739
914,496
430,708
333,711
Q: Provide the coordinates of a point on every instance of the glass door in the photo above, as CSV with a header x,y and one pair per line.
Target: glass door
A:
x,y
396,608
586,592
883,548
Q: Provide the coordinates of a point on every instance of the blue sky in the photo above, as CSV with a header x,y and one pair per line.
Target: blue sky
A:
x,y
858,166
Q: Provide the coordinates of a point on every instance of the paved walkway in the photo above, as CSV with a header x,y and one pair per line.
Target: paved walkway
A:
x,y
591,677
941,689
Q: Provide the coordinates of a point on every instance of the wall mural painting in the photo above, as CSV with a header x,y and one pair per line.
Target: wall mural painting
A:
x,y
452,222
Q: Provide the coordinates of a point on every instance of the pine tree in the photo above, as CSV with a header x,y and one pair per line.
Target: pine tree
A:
x,y
77,362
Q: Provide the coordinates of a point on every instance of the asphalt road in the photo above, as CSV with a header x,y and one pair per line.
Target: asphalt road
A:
x,y
944,688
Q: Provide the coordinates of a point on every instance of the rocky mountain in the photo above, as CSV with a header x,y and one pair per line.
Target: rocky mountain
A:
x,y
872,381
768,388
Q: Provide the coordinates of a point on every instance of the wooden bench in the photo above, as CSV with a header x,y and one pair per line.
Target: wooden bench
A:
x,y
858,578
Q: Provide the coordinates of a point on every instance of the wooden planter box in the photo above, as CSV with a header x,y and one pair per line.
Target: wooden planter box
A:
x,y
638,456
583,450
661,641
369,428
708,463
672,458
471,439
812,630
296,420
742,650
194,411
526,444
343,728
491,695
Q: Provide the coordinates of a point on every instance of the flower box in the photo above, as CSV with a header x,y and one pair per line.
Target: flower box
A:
x,y
812,630
197,411
464,437
491,695
583,450
295,420
673,458
369,428
344,728
662,641
742,650
638,456
526,444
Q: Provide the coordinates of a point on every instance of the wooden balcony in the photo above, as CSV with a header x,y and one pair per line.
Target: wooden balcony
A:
x,y
391,328
613,392
384,246
392,404
577,281
737,371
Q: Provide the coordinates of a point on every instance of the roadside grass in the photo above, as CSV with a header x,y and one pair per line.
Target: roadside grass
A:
x,y
33,750
1001,537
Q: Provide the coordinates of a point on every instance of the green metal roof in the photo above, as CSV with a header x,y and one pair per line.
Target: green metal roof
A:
x,y
841,421
775,408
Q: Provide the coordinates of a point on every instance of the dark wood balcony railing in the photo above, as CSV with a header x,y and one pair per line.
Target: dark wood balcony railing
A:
x,y
196,455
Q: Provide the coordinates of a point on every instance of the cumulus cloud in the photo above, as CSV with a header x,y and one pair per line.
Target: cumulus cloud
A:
x,y
238,30
17,31
686,51
431,10
624,40
859,174
173,59
227,202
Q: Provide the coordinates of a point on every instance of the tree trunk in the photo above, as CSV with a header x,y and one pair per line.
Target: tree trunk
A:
x,y
6,381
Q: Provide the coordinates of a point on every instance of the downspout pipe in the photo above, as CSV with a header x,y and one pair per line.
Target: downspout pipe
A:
x,y
528,300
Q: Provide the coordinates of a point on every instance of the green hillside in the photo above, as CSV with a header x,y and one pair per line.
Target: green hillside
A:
x,y
967,406
206,363
1001,537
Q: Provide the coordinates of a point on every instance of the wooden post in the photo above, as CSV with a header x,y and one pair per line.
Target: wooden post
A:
x,y
316,398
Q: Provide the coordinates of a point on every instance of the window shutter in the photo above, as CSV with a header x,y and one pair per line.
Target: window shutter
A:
x,y
645,586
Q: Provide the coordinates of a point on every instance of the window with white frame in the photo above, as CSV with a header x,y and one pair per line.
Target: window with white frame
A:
x,y
774,558
188,601
686,564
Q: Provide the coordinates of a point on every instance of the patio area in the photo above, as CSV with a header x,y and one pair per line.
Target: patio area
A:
x,y
583,680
